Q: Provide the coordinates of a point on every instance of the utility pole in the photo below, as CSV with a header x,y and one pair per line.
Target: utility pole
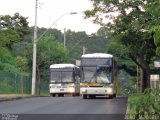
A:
x,y
34,52
64,38
84,50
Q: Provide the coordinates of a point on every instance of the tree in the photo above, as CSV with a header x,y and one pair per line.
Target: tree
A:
x,y
153,7
56,34
12,30
128,26
74,44
20,52
93,42
77,41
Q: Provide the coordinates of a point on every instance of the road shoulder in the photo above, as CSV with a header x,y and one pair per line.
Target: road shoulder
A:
x,y
8,97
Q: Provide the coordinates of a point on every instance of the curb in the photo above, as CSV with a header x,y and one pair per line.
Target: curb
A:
x,y
13,97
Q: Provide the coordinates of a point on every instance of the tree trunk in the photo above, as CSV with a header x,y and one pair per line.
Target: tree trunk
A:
x,y
146,77
139,79
143,63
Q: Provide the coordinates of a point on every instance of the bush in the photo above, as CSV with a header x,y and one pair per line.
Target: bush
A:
x,y
145,106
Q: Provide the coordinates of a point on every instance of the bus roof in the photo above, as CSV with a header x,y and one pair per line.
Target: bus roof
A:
x,y
62,66
97,55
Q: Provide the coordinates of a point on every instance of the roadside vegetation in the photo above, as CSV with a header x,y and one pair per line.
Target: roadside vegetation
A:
x,y
144,106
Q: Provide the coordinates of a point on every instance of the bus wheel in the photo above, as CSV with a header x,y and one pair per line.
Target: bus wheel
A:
x,y
114,95
110,96
92,96
84,96
53,95
60,95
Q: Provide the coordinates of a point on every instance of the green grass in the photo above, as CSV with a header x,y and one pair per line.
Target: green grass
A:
x,y
6,88
44,93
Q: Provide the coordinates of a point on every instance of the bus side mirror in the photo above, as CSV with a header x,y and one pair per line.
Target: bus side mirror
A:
x,y
77,73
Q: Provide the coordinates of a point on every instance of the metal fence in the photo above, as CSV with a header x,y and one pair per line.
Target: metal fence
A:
x,y
14,83
42,88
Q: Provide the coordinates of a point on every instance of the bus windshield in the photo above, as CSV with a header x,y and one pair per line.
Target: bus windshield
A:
x,y
91,74
65,76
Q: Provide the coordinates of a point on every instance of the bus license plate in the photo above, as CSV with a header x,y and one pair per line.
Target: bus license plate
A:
x,y
61,89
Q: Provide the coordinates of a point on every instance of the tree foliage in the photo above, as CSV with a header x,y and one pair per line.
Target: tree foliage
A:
x,y
144,106
12,30
153,7
78,43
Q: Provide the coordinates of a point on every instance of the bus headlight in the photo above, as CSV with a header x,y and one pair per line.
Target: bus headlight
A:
x,y
71,90
84,90
51,86
109,90
111,85
71,85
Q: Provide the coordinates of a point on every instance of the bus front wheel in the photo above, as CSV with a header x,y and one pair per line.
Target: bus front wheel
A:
x,y
53,95
114,95
110,96
60,95
92,96
84,96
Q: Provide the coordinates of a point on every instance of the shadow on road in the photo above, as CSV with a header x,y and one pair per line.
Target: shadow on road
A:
x,y
105,97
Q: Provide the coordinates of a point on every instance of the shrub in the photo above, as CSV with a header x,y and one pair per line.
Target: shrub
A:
x,y
145,106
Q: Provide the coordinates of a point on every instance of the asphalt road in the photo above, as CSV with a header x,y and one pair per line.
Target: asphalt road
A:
x,y
64,108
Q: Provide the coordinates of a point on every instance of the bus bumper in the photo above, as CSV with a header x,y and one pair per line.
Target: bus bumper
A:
x,y
99,91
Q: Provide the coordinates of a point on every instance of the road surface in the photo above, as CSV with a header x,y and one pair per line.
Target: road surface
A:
x,y
64,108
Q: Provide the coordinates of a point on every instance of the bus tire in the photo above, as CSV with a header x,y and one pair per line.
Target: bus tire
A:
x,y
84,96
60,95
53,95
92,96
114,95
110,96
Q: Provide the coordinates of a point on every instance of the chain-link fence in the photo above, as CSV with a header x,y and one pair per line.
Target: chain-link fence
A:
x,y
14,83
42,88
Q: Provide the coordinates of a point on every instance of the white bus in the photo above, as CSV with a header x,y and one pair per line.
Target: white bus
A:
x,y
64,79
98,75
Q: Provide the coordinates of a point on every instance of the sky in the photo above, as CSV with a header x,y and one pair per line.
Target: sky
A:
x,y
49,11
